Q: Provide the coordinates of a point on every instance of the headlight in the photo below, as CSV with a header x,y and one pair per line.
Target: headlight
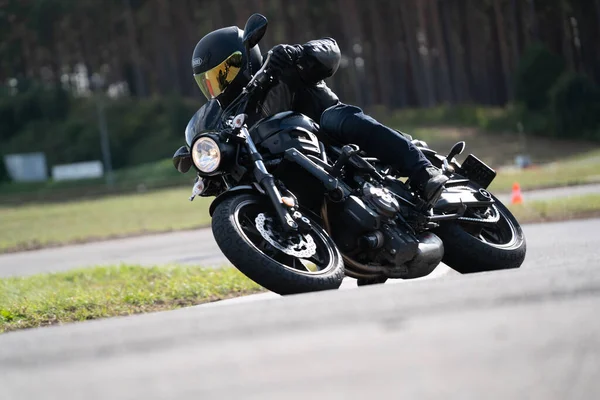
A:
x,y
206,154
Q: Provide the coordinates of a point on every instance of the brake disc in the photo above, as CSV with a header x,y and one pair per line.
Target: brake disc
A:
x,y
300,246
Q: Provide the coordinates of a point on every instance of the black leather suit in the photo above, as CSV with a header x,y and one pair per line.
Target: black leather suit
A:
x,y
307,93
304,90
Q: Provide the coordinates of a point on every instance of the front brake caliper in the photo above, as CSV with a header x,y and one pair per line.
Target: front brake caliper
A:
x,y
304,225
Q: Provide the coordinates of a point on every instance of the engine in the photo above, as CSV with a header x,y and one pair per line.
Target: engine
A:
x,y
367,228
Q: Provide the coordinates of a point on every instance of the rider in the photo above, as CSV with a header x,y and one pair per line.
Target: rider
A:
x,y
220,66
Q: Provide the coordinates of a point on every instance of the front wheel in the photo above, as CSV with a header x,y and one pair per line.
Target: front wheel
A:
x,y
246,229
475,247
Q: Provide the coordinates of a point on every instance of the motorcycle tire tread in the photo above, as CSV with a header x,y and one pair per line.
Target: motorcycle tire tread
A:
x,y
260,268
466,254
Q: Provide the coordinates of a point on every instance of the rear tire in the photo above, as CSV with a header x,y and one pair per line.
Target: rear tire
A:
x,y
466,253
235,239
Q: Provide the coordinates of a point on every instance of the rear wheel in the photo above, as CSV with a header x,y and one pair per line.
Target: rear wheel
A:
x,y
475,247
246,229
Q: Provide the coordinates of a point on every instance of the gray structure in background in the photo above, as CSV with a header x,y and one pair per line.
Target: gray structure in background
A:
x,y
29,167
80,170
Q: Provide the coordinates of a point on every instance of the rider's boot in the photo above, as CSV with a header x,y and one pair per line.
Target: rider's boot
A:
x,y
429,183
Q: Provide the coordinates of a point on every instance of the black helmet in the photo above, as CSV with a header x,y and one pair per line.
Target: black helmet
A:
x,y
220,62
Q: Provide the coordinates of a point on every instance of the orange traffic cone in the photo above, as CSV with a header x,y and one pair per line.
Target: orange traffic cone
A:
x,y
517,197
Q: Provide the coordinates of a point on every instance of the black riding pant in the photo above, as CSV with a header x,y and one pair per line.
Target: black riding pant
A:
x,y
350,125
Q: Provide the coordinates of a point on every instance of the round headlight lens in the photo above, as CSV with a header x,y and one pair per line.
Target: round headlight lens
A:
x,y
206,154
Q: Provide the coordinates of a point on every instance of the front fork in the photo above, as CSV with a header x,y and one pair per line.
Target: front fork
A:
x,y
267,182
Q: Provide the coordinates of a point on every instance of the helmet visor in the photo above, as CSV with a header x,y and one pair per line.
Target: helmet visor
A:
x,y
214,81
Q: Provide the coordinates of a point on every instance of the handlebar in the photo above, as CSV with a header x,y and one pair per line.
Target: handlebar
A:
x,y
257,80
259,72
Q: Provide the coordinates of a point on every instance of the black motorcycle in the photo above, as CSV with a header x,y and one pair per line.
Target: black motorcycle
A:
x,y
297,212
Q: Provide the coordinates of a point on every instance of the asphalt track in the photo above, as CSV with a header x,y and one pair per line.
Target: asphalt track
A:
x,y
531,333
193,247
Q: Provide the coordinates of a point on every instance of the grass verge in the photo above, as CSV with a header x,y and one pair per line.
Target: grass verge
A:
x,y
78,295
573,171
35,226
559,209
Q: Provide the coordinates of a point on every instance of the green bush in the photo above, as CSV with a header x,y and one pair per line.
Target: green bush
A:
x,y
487,118
458,115
575,106
66,129
536,73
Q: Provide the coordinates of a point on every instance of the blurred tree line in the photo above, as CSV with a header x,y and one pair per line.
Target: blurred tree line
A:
x,y
541,55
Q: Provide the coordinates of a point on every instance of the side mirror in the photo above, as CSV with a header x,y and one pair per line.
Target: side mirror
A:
x,y
255,29
182,160
457,149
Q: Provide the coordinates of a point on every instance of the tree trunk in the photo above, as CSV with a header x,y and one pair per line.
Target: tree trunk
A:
x,y
382,59
399,59
187,35
441,44
534,30
593,36
466,43
301,25
597,4
425,52
454,50
417,75
567,38
517,32
504,54
140,87
168,75
118,53
352,34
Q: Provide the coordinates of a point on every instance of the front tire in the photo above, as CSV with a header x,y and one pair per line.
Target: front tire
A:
x,y
469,249
260,258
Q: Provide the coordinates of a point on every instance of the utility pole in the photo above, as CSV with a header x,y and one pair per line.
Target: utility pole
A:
x,y
98,84
104,142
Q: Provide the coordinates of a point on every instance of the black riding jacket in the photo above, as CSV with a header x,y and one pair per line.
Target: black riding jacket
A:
x,y
305,90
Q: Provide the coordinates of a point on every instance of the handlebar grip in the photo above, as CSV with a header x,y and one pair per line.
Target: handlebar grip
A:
x,y
264,78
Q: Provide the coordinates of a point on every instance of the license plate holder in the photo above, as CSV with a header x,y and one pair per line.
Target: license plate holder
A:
x,y
477,171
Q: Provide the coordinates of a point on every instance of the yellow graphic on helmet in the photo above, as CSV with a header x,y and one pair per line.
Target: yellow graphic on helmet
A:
x,y
214,81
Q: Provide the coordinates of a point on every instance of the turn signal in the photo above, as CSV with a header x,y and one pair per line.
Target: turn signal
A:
x,y
288,201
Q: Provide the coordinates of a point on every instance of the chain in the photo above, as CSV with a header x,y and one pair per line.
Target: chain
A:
x,y
491,220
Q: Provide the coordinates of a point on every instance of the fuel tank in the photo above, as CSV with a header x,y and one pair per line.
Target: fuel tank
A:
x,y
285,130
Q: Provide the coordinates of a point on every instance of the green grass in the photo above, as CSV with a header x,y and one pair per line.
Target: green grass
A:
x,y
577,170
489,118
557,209
78,295
41,225
38,225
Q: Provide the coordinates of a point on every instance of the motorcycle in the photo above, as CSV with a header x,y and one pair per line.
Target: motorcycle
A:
x,y
297,212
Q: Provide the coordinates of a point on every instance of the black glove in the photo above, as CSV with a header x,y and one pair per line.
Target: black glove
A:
x,y
283,60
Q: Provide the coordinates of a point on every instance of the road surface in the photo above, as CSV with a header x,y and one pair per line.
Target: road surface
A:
x,y
531,333
188,247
